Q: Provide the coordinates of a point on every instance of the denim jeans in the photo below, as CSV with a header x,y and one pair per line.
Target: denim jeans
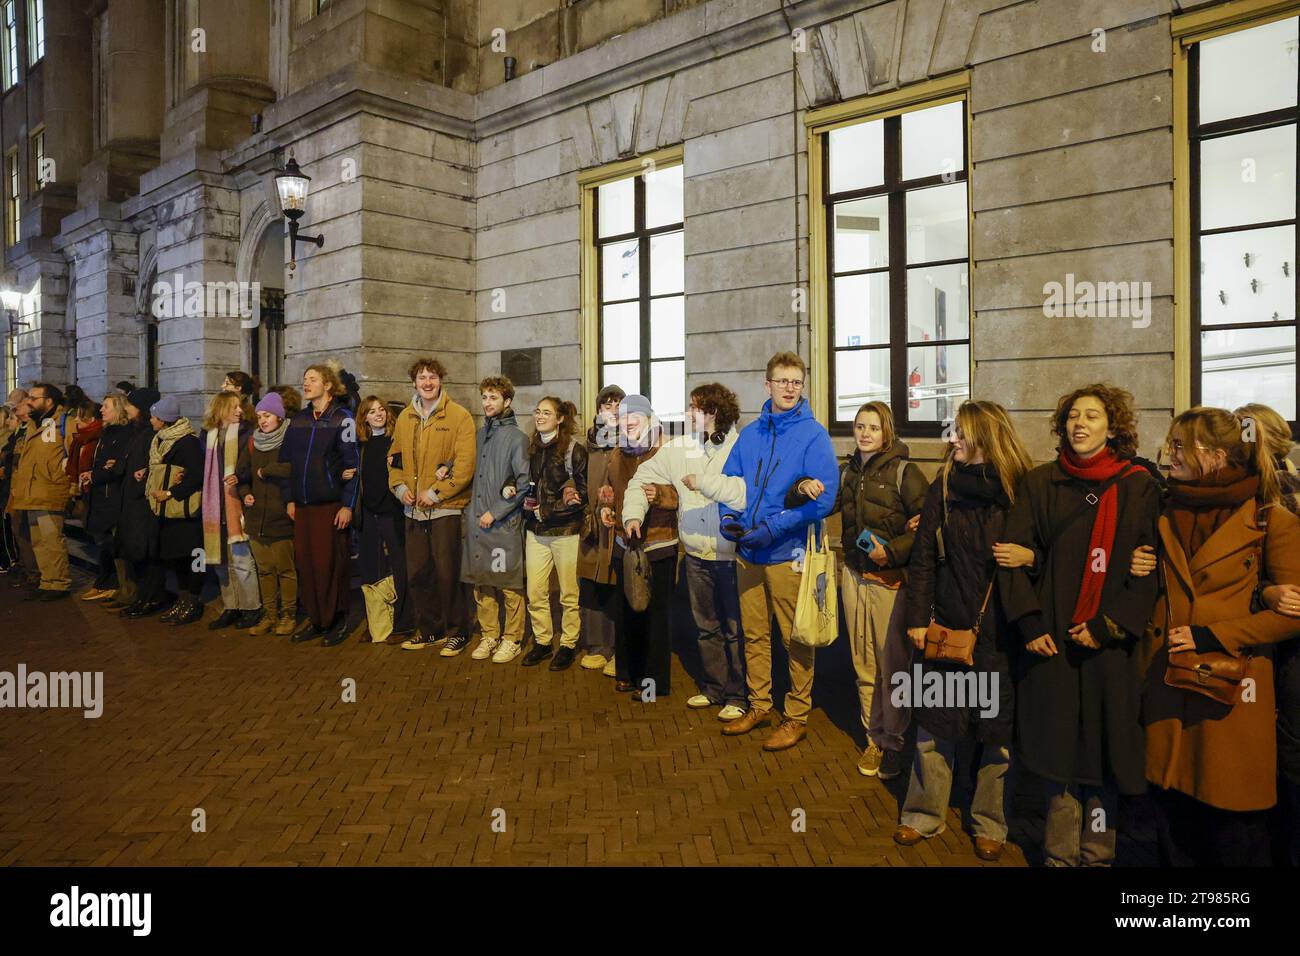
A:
x,y
1081,823
928,792
715,606
237,576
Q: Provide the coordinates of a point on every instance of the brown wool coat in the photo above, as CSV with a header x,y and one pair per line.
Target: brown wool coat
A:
x,y
1223,756
596,546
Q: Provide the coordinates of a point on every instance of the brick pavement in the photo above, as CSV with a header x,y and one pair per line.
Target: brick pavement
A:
x,y
254,732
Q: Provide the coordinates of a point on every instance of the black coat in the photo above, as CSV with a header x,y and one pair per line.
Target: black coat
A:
x,y
137,529
104,499
953,590
1077,712
180,537
869,499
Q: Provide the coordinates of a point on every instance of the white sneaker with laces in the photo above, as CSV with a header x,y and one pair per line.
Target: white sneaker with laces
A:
x,y
731,712
610,670
506,652
592,662
485,648
699,702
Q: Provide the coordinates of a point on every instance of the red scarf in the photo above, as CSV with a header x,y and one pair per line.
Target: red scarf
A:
x,y
1100,467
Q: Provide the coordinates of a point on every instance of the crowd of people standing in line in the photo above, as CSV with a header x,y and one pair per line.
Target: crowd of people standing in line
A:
x,y
1129,618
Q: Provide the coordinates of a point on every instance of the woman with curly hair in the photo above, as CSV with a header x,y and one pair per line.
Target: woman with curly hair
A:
x,y
1066,584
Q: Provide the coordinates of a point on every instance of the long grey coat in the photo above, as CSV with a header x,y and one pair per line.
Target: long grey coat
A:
x,y
495,557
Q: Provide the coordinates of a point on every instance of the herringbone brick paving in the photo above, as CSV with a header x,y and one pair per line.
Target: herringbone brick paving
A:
x,y
254,732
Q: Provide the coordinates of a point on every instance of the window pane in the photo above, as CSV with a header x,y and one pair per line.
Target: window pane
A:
x,y
862,234
1249,365
936,223
667,327
860,376
668,390
857,156
1248,178
1248,276
627,377
621,332
663,197
614,203
666,264
862,310
932,141
1265,54
621,272
945,381
937,306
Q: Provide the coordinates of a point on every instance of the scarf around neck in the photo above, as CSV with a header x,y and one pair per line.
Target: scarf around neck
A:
x,y
1100,467
980,483
222,441
1197,508
270,441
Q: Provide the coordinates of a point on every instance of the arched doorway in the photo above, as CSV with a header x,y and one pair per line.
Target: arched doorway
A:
x,y
261,261
266,339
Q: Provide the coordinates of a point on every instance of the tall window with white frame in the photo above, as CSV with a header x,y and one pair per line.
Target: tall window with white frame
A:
x,y
898,290
640,287
35,31
9,42
13,200
1245,286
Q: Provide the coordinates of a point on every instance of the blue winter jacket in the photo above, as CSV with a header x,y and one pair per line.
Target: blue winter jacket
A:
x,y
319,450
774,451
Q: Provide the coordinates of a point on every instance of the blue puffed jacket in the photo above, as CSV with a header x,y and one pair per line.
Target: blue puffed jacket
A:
x,y
774,451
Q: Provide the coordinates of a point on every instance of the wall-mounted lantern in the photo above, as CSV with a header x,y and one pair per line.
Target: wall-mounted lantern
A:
x,y
291,188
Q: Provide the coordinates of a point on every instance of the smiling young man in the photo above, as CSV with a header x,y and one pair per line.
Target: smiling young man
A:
x,y
433,467
784,445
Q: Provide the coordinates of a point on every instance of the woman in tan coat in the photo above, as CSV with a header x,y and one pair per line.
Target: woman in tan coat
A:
x,y
1222,531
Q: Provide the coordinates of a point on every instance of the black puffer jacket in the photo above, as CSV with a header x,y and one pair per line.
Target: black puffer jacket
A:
x,y
955,587
550,468
869,499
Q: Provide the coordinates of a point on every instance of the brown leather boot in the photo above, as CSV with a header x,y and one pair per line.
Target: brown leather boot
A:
x,y
987,849
786,736
287,625
744,725
264,626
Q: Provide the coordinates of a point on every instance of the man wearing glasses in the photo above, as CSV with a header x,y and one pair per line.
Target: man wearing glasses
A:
x,y
781,448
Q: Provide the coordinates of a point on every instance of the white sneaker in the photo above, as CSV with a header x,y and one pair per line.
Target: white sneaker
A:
x,y
485,648
610,670
731,712
592,662
506,652
699,702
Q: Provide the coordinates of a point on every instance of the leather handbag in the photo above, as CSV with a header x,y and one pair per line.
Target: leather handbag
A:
x,y
949,645
638,577
1215,674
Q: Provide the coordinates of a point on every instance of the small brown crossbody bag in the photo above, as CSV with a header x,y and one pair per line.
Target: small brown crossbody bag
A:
x,y
949,645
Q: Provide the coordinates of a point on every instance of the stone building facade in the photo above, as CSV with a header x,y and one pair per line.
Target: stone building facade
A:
x,y
452,200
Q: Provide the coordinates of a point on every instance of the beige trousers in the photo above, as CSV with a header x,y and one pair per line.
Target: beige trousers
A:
x,y
767,590
489,601
541,554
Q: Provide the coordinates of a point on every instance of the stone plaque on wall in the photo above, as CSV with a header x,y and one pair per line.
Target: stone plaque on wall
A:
x,y
522,366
